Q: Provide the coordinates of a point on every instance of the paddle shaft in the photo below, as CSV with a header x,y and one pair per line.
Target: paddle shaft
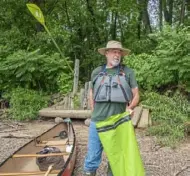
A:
x,y
49,170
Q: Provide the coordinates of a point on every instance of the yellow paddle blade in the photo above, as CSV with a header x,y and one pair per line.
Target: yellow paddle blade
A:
x,y
36,12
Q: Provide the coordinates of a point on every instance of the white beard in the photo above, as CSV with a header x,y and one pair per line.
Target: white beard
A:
x,y
115,63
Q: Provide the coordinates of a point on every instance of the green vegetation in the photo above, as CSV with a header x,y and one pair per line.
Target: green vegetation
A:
x,y
64,82
76,101
169,116
166,70
26,103
157,32
168,64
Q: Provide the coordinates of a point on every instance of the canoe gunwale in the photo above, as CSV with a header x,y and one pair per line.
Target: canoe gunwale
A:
x,y
71,154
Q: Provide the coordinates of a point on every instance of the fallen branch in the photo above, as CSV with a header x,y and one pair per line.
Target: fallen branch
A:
x,y
12,126
8,131
15,125
20,136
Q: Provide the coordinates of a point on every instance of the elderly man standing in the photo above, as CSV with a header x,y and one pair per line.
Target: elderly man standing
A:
x,y
114,90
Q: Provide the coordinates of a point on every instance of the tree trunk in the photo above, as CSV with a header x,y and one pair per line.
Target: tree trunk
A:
x,y
170,11
75,114
160,14
114,25
168,14
143,18
182,14
139,25
121,30
95,28
146,20
188,5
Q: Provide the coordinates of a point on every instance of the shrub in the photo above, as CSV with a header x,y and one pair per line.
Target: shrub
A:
x,y
169,116
31,70
25,103
168,65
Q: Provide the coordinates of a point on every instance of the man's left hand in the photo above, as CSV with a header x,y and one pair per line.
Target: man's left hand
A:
x,y
131,111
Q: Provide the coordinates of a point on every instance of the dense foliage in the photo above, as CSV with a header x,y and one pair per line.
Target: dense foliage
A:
x,y
169,116
25,103
31,70
156,31
168,64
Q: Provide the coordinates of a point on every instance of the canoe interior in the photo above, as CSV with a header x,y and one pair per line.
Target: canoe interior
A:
x,y
28,164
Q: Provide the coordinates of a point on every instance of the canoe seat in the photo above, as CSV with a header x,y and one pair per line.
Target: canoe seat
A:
x,y
39,155
62,142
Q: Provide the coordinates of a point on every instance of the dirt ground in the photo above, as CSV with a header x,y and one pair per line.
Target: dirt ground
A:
x,y
158,161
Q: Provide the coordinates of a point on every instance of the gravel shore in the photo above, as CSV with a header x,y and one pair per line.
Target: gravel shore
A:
x,y
158,161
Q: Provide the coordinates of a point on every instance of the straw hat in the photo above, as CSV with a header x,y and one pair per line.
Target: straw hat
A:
x,y
114,45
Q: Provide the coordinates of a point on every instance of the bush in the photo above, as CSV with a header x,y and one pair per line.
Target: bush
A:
x,y
168,65
31,70
25,103
149,75
65,83
169,116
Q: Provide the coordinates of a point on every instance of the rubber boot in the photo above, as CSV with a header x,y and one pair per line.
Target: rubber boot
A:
x,y
89,174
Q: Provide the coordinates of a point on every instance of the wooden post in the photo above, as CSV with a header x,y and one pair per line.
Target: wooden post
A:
x,y
81,98
71,101
85,103
66,102
88,100
76,77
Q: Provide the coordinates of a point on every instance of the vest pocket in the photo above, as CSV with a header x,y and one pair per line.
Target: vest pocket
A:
x,y
102,94
117,95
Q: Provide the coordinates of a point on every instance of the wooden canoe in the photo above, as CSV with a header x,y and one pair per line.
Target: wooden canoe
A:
x,y
23,161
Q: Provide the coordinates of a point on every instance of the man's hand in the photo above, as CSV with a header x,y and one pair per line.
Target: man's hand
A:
x,y
134,101
131,111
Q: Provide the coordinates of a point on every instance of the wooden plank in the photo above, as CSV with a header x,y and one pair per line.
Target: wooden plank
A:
x,y
66,102
72,102
137,114
81,98
69,102
28,173
57,142
38,155
75,114
149,120
85,103
143,122
88,95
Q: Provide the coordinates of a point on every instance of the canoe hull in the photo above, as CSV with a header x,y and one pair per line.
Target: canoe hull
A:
x,y
23,161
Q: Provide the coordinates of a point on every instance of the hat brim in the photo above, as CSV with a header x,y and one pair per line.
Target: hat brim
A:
x,y
125,51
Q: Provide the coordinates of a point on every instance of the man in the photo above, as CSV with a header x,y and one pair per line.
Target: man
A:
x,y
110,94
